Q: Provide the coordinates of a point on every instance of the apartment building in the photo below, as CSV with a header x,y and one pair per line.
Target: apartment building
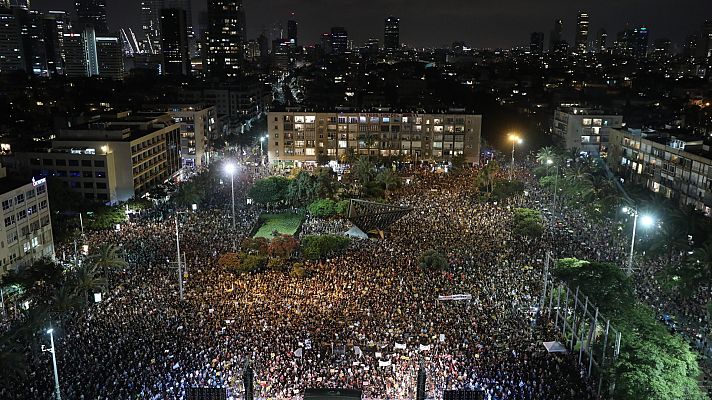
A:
x,y
677,166
111,158
26,228
301,136
585,129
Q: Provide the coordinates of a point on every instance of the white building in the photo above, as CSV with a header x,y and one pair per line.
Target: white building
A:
x,y
26,228
585,129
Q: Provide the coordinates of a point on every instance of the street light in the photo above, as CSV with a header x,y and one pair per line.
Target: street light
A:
x,y
646,220
57,395
230,168
515,140
262,139
556,184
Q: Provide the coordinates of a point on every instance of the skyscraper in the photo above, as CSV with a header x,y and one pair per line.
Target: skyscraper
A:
x,y
292,32
704,47
391,33
339,40
151,24
536,43
174,41
226,33
556,35
639,42
92,12
11,53
109,57
601,41
581,43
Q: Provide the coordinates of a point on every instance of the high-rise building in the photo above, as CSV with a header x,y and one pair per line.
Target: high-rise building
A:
x,y
639,42
75,59
661,48
704,47
63,25
536,43
174,41
33,40
339,40
326,42
53,36
92,12
556,36
689,47
584,129
602,41
292,32
109,57
188,8
11,49
151,25
226,34
581,42
89,38
391,33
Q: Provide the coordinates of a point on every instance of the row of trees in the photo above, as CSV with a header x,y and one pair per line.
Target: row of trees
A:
x,y
51,293
492,186
653,364
527,223
326,208
300,189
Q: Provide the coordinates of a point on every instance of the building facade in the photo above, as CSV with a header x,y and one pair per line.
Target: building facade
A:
x,y
93,13
174,37
582,28
391,33
676,168
585,129
303,136
26,229
226,34
111,158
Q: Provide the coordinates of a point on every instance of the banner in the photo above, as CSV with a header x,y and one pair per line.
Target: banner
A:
x,y
298,352
424,348
400,346
384,363
442,337
456,297
358,351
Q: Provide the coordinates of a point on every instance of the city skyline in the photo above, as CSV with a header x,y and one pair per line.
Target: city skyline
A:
x,y
503,25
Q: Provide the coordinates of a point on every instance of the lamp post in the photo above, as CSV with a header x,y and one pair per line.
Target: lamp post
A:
x,y
57,394
230,169
178,258
515,140
556,184
646,221
262,140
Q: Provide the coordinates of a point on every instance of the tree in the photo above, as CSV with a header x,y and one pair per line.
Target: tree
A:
x,y
325,182
527,222
432,260
316,247
283,246
258,245
86,279
458,161
302,189
545,154
63,300
388,179
363,170
270,190
106,259
322,158
189,193
322,208
229,260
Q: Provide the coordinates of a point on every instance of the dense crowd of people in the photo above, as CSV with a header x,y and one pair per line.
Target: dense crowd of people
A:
x,y
366,319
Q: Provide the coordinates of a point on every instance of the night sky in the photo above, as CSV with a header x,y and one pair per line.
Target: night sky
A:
x,y
426,23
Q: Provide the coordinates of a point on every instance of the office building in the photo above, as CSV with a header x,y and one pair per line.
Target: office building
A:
x,y
151,25
584,129
391,33
75,60
339,40
174,39
226,34
26,229
11,48
674,165
299,137
292,33
93,13
661,49
57,24
109,57
639,42
556,36
111,158
581,42
704,45
198,125
602,41
536,43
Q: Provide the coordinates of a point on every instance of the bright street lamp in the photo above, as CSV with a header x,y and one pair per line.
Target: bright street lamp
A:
x,y
262,140
515,140
230,168
57,394
647,221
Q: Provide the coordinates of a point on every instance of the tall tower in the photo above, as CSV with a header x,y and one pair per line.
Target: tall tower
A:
x,y
292,31
226,34
391,33
151,24
602,41
536,43
174,38
581,33
556,34
92,12
339,40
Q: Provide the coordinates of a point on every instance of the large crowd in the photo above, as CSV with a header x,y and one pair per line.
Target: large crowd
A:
x,y
366,319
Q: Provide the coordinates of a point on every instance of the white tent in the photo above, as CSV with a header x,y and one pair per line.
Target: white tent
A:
x,y
554,347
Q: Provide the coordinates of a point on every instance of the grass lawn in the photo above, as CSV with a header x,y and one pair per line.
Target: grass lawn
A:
x,y
285,223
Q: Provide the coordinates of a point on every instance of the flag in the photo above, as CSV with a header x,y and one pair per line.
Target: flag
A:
x,y
358,351
298,352
400,346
